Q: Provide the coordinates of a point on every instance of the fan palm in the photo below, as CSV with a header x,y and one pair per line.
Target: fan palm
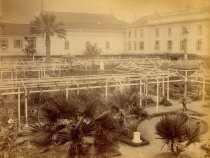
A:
x,y
174,130
75,123
46,24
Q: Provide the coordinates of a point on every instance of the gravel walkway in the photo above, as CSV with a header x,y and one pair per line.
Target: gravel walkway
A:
x,y
147,129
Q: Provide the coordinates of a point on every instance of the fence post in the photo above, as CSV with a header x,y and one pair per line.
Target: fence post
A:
x,y
157,99
19,122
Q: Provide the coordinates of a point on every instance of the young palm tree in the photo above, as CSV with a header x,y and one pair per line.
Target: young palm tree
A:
x,y
46,24
178,132
75,124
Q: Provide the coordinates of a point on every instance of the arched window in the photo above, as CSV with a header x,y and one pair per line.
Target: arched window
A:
x,y
157,45
87,44
107,45
198,45
169,45
66,45
141,45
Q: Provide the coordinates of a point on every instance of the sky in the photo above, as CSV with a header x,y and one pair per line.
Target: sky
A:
x,y
23,11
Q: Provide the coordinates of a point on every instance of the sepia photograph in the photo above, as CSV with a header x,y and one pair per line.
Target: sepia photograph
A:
x,y
104,78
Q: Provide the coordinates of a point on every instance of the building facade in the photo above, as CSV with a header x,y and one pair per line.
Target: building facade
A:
x,y
102,30
173,32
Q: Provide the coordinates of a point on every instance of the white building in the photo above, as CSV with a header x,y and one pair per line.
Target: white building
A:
x,y
103,30
170,33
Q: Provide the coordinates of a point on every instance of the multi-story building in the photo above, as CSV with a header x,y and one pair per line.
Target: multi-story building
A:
x,y
173,32
82,29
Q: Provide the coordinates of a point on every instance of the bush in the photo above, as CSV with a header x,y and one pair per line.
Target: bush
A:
x,y
147,101
178,131
165,102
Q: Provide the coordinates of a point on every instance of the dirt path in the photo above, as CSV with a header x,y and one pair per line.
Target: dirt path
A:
x,y
147,129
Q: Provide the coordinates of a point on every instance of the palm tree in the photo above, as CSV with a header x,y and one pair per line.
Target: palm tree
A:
x,y
46,24
178,131
75,124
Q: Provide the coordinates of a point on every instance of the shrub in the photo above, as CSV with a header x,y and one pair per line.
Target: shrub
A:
x,y
178,131
147,101
165,102
76,123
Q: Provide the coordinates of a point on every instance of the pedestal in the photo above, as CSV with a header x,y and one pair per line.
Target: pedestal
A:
x,y
136,137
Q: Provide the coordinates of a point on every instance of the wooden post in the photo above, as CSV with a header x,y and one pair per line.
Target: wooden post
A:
x,y
26,109
120,87
163,88
106,90
203,90
168,86
140,94
185,84
67,93
157,99
146,88
19,122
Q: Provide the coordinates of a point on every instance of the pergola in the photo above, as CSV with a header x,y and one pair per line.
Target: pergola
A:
x,y
142,78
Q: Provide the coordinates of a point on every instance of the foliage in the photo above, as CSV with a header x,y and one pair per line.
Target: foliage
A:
x,y
178,131
9,147
46,24
30,49
165,102
147,101
128,100
184,101
92,51
76,123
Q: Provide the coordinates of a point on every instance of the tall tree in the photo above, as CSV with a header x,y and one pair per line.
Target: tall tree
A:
x,y
46,24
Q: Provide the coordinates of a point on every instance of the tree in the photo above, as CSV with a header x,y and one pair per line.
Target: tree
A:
x,y
91,52
30,49
75,123
178,131
46,24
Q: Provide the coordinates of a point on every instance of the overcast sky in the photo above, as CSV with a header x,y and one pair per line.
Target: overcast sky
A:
x,y
22,11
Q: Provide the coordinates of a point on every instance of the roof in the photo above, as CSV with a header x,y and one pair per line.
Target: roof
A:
x,y
77,21
12,28
142,21
188,15
88,21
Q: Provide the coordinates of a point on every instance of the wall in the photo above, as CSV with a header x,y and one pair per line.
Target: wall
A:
x,y
149,37
77,42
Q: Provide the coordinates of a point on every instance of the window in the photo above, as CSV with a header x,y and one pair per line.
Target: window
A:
x,y
200,29
156,32
129,34
66,46
141,33
183,45
135,45
135,34
157,45
129,45
87,44
198,45
107,45
169,31
169,45
141,45
18,43
184,30
4,43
